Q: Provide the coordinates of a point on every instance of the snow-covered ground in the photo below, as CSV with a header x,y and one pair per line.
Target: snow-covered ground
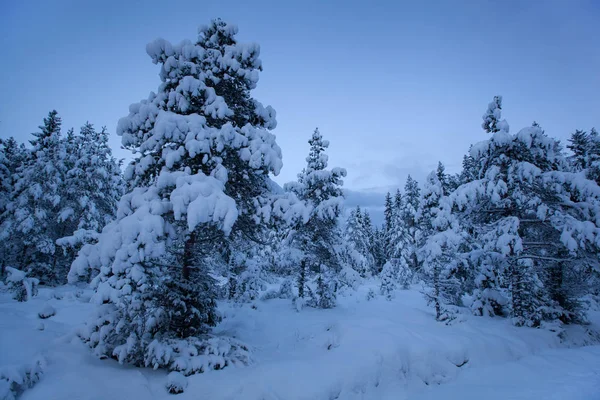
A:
x,y
363,349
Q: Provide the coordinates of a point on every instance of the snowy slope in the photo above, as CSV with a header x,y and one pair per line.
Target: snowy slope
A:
x,y
361,350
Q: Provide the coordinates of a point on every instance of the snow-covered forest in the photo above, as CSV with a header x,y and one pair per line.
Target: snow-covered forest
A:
x,y
189,270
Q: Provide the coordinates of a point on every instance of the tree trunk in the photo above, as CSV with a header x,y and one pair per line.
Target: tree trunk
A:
x,y
188,255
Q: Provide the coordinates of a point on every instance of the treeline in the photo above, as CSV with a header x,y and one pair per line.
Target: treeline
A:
x,y
514,234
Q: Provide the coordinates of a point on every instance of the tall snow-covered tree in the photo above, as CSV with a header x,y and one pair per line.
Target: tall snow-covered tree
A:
x,y
443,178
12,156
93,186
439,247
388,212
586,153
378,248
204,154
359,236
34,218
535,225
469,169
319,236
593,171
579,144
406,234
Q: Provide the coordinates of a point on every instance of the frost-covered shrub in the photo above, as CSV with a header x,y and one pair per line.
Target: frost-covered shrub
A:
x,y
348,278
15,380
299,303
250,283
389,278
405,275
23,287
270,294
286,290
176,382
325,294
371,295
196,355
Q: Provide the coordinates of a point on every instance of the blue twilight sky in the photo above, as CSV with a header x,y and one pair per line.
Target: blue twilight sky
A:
x,y
394,85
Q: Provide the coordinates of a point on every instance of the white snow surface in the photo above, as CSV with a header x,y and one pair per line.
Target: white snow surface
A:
x,y
363,349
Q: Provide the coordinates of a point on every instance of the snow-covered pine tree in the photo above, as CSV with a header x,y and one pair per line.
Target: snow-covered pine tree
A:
x,y
389,280
440,247
378,248
94,185
202,171
469,169
491,118
12,156
358,235
373,254
368,227
319,237
443,178
586,153
579,144
527,216
388,212
394,225
593,171
406,234
34,218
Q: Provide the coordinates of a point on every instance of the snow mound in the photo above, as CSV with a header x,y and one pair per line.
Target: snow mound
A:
x,y
176,382
47,312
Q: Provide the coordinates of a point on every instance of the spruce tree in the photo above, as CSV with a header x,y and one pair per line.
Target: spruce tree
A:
x,y
491,118
407,233
319,237
34,216
469,169
358,236
443,178
388,212
94,186
205,153
389,279
530,250
579,144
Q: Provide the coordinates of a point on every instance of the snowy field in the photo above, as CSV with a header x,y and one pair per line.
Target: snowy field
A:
x,y
363,349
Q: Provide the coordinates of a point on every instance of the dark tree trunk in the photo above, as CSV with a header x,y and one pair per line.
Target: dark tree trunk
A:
x,y
188,255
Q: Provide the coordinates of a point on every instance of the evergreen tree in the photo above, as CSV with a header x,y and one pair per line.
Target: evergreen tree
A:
x,y
12,157
205,154
395,226
34,217
579,144
388,212
593,171
359,236
389,278
530,250
94,185
440,249
491,118
378,249
469,169
443,178
406,235
319,237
